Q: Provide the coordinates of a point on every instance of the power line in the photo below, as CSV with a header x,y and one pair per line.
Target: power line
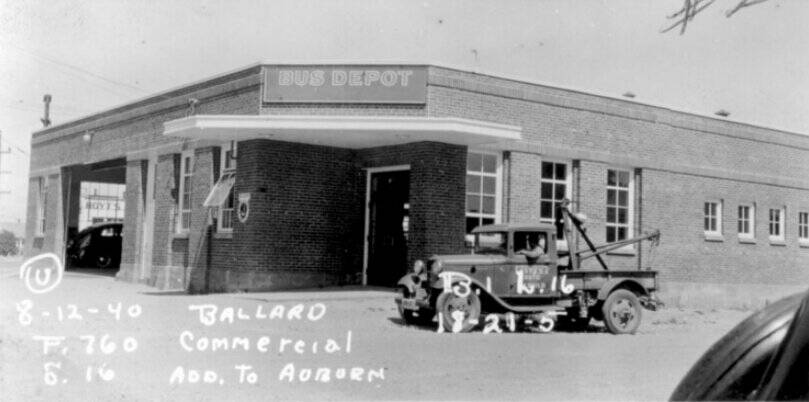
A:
x,y
79,69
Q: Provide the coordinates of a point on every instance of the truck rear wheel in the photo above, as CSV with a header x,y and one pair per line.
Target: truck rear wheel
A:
x,y
622,312
458,314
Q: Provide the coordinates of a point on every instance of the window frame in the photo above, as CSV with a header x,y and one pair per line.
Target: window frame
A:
x,y
750,219
803,228
567,182
780,237
223,158
630,220
181,207
716,233
498,184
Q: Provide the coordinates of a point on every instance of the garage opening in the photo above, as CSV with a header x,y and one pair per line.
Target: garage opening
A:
x,y
95,215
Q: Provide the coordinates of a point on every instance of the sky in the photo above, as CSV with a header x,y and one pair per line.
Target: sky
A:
x,y
94,55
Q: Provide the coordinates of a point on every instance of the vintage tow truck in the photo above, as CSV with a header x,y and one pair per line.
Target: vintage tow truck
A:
x,y
532,290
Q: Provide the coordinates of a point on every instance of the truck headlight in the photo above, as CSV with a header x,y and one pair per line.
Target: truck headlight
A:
x,y
436,267
418,266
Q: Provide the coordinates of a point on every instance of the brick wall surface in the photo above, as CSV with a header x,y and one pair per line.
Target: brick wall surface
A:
x,y
132,232
521,189
33,244
303,210
198,234
675,202
584,130
165,210
732,162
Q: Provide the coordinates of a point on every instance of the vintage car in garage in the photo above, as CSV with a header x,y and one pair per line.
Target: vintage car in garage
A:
x,y
97,246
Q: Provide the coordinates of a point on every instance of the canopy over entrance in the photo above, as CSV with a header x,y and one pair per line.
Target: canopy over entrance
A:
x,y
344,131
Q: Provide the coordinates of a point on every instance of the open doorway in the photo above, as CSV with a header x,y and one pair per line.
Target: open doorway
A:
x,y
94,216
387,224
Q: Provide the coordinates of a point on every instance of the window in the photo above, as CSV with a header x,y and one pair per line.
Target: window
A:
x,y
491,243
528,240
184,207
746,221
482,189
803,227
618,205
713,218
553,188
227,166
101,202
777,224
42,202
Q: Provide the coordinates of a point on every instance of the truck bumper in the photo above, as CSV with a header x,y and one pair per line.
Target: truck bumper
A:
x,y
651,301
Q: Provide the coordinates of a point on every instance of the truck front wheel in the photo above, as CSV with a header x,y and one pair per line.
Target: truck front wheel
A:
x,y
622,312
458,314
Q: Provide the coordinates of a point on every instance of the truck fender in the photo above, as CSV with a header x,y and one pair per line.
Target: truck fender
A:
x,y
475,286
621,283
408,283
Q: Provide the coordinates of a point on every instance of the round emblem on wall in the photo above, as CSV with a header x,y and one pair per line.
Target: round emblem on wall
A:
x,y
243,209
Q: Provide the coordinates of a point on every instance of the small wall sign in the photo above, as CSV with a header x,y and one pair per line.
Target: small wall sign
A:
x,y
243,209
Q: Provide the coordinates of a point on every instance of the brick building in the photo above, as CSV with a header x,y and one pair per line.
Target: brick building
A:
x,y
285,176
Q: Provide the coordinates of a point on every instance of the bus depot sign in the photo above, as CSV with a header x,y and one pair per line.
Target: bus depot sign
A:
x,y
345,84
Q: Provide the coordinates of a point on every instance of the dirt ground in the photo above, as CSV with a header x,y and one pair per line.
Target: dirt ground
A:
x,y
416,363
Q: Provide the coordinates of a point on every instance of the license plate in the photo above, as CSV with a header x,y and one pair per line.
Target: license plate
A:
x,y
409,304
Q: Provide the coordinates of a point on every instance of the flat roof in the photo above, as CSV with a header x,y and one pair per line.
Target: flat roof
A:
x,y
201,83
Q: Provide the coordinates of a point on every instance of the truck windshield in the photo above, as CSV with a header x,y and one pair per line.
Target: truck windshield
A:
x,y
491,243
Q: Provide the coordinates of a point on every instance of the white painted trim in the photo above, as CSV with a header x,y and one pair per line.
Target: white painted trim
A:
x,y
498,185
227,146
568,178
719,221
751,218
369,172
392,168
181,189
803,240
343,131
782,224
44,172
630,221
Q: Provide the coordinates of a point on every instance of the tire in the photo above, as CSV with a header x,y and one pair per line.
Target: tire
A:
x,y
622,312
103,261
449,303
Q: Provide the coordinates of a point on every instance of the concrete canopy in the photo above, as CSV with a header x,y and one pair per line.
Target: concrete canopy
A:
x,y
344,131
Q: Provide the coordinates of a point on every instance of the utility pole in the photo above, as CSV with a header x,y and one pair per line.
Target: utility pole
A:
x,y
2,172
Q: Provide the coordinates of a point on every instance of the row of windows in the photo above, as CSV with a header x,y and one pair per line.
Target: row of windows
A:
x,y
483,194
746,221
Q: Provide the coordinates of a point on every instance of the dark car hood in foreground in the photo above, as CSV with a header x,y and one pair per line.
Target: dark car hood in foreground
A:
x,y
756,359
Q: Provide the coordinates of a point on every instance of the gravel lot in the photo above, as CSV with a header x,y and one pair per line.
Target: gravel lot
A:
x,y
416,362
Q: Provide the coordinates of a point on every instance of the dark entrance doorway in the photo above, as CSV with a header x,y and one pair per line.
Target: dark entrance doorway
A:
x,y
388,227
94,203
